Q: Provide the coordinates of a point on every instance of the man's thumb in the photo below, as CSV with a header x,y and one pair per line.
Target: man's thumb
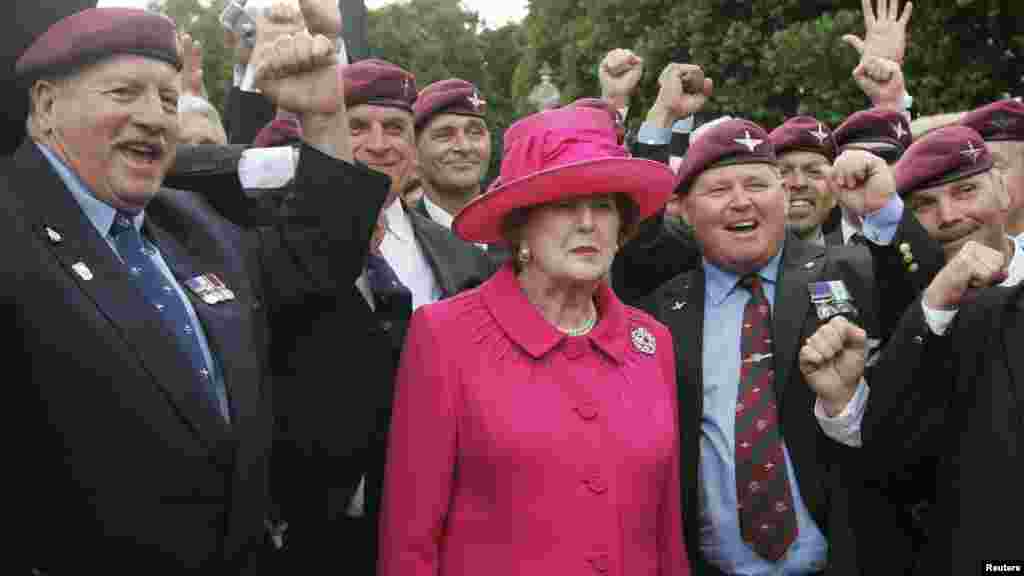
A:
x,y
854,41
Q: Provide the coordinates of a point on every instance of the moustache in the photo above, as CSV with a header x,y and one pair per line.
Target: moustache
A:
x,y
955,233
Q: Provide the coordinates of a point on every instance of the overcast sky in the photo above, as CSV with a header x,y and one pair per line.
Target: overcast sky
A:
x,y
494,12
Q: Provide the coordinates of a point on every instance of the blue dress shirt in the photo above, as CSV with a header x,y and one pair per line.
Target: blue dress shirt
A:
x,y
101,215
720,539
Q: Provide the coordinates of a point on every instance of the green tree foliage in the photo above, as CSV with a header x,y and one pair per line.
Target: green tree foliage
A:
x,y
201,19
440,39
771,59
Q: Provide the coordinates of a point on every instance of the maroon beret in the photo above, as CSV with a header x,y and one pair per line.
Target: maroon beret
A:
x,y
874,125
96,33
1003,120
378,82
452,96
805,134
945,155
734,141
279,132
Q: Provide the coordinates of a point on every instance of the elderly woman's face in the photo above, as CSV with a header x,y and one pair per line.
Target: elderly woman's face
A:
x,y
573,239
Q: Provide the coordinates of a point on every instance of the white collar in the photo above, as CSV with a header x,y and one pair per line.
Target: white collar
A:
x,y
397,222
1015,268
848,228
438,214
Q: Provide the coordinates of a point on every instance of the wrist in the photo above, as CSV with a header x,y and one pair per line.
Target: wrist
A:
x,y
327,133
934,301
661,117
617,101
835,406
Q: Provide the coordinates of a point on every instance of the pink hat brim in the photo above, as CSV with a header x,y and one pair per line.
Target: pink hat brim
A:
x,y
648,184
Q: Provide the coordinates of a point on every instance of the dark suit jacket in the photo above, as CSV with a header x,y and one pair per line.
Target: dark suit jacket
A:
x,y
458,265
956,402
498,254
680,305
331,434
126,469
245,114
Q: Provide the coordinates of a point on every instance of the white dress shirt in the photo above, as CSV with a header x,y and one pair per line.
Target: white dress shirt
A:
x,y
438,214
405,255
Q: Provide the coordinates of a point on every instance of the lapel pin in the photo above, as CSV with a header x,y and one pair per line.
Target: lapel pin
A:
x,y
678,305
643,340
54,236
82,270
809,265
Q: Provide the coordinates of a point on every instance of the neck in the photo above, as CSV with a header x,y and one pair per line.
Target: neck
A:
x,y
1007,248
568,305
451,200
808,234
1015,223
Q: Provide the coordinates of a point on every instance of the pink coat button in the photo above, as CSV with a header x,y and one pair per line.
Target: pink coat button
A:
x,y
587,410
599,563
597,485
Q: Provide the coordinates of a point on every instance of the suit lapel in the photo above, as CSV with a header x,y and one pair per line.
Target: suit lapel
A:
x,y
681,308
835,237
227,324
98,272
802,263
1013,336
441,263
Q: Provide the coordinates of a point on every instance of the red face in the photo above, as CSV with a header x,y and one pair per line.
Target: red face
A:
x,y
1009,159
805,179
454,152
382,138
115,123
738,214
970,209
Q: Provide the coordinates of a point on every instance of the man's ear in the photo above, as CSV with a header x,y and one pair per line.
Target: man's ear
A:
x,y
1000,190
43,97
685,207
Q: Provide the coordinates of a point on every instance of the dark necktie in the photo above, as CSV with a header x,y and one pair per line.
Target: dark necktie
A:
x,y
858,239
384,283
158,291
767,518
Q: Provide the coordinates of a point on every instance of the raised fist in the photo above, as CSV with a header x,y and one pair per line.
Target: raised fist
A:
x,y
863,183
832,361
881,80
299,73
974,267
683,92
620,73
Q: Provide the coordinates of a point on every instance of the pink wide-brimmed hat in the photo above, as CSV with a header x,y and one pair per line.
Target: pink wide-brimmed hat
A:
x,y
568,152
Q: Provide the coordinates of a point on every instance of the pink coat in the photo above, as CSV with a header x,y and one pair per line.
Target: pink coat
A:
x,y
515,449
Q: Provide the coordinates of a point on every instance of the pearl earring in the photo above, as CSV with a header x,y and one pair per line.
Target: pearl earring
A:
x,y
524,255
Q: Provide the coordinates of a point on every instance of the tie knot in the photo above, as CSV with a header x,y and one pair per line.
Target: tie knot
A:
x,y
858,239
122,221
752,283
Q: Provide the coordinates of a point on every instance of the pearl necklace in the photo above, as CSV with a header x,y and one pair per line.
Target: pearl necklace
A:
x,y
582,330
